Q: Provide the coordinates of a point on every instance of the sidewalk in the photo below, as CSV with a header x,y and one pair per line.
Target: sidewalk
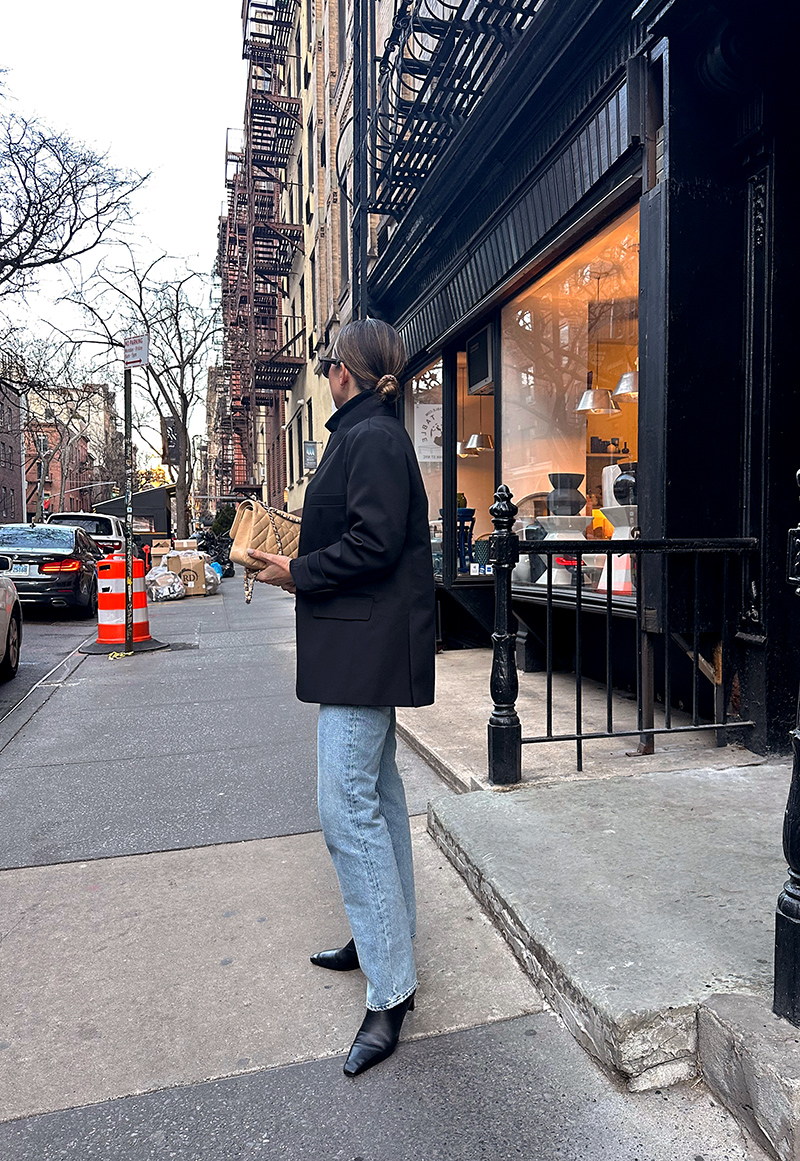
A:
x,y
639,896
165,880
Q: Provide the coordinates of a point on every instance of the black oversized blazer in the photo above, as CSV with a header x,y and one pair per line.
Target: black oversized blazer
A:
x,y
364,572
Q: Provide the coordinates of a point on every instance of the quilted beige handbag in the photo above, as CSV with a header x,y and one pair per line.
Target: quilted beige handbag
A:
x,y
264,529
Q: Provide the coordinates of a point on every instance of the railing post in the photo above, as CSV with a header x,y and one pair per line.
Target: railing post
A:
x,y
505,731
786,1000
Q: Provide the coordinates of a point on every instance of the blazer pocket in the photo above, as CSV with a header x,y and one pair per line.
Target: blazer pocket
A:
x,y
344,609
326,498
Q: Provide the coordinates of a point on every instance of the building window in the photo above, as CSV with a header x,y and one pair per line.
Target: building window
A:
x,y
310,420
344,238
300,445
290,456
573,331
310,18
342,22
313,272
297,54
311,153
423,397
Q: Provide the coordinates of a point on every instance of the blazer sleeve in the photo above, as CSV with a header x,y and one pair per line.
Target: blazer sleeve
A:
x,y
377,498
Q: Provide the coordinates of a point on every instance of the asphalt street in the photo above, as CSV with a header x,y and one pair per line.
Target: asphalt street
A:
x,y
164,881
48,637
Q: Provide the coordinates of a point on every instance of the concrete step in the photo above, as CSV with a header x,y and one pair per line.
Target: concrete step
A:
x,y
631,901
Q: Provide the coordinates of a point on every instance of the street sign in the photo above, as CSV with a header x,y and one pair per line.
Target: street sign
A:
x,y
136,351
309,455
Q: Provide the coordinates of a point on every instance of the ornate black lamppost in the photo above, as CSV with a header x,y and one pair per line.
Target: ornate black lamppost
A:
x,y
505,731
787,915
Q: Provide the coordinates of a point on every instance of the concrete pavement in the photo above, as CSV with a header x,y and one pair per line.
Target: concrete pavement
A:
x,y
165,883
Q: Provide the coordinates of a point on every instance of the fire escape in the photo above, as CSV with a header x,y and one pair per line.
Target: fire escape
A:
x,y
411,104
263,346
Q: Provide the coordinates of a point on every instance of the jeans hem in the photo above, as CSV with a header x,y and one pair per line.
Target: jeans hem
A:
x,y
392,1003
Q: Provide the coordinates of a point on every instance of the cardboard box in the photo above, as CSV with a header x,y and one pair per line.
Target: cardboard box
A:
x,y
159,548
190,567
186,545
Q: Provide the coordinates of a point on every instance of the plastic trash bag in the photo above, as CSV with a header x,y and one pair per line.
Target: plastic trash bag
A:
x,y
163,585
212,580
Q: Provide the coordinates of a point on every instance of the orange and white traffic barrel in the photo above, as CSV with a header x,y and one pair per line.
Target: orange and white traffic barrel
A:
x,y
111,608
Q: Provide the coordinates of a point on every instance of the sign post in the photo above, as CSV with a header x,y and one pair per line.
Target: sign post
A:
x,y
136,355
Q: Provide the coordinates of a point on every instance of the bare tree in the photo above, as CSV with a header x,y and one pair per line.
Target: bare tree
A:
x,y
173,312
51,376
58,201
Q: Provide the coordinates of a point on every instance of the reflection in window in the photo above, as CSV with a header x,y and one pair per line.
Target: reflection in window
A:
x,y
570,403
424,421
474,472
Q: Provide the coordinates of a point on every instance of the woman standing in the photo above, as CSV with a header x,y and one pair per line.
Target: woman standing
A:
x,y
365,644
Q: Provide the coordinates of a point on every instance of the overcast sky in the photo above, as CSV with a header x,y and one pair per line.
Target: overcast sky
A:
x,y
155,82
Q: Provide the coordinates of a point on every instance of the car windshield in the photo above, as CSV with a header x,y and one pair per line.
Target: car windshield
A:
x,y
36,536
94,525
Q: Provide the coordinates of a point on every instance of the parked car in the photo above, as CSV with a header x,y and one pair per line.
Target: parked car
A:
x,y
10,623
108,532
52,564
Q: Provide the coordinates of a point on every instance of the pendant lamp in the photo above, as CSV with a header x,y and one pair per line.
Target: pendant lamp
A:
x,y
597,401
462,451
628,386
479,441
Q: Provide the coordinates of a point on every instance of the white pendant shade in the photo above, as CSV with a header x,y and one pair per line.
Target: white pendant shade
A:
x,y
628,385
479,442
597,401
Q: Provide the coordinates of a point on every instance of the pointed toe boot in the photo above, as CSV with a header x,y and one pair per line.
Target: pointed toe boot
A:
x,y
340,959
377,1037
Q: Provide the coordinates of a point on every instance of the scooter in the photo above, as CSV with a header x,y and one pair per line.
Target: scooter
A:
x,y
217,549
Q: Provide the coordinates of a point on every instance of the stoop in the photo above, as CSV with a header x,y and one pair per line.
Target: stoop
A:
x,y
631,901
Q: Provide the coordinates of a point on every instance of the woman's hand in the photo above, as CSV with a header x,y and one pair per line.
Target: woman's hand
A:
x,y
276,572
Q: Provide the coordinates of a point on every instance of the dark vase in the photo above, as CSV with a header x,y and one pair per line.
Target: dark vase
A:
x,y
625,485
565,499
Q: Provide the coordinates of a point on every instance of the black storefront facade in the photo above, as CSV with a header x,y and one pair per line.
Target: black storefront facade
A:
x,y
612,217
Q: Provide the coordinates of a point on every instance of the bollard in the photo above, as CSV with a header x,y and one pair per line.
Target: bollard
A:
x,y
505,731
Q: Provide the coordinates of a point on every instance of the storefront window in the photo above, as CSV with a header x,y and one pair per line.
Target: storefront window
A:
x,y
474,472
424,420
570,404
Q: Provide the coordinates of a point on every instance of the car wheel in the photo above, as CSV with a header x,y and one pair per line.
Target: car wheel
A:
x,y
89,610
10,663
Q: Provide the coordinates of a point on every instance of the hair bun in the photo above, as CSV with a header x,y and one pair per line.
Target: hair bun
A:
x,y
387,386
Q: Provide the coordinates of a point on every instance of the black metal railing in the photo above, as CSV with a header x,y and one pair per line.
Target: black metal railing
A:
x,y
685,595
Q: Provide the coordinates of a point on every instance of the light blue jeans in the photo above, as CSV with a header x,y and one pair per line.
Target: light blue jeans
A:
x,y
364,817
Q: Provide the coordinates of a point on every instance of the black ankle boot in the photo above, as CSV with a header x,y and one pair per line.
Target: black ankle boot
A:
x,y
341,959
377,1037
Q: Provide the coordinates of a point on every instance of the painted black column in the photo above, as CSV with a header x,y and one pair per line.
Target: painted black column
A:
x,y
505,731
787,915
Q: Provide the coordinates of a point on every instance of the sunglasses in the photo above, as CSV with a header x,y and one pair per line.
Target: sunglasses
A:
x,y
326,365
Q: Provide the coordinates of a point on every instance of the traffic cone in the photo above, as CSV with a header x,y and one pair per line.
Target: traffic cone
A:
x,y
111,609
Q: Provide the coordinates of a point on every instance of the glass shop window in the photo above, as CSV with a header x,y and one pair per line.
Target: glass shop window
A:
x,y
570,405
423,400
474,469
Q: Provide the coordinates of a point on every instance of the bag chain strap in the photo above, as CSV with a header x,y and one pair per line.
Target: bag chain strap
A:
x,y
250,574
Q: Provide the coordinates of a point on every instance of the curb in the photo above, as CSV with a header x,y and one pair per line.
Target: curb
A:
x,y
19,715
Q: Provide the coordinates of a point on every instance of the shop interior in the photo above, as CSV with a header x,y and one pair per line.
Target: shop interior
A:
x,y
570,406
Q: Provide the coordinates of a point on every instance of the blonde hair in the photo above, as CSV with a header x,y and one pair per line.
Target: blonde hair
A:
x,y
374,354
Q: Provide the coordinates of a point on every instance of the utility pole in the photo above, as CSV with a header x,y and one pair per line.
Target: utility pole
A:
x,y
136,355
